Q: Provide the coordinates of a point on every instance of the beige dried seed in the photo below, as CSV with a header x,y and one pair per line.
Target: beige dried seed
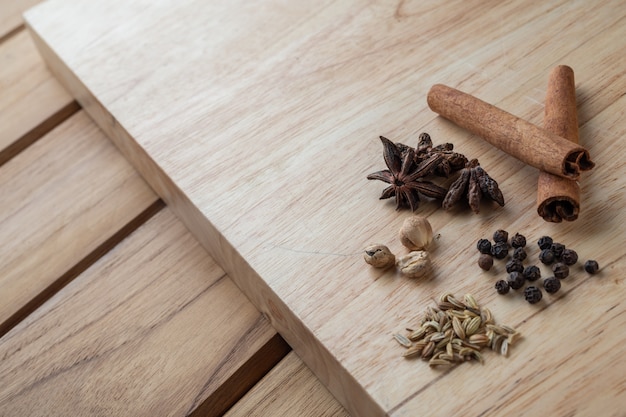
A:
x,y
470,301
449,349
458,328
433,324
442,343
473,325
504,349
438,362
445,305
413,351
479,339
435,337
402,340
417,334
428,351
458,304
508,329
513,337
478,356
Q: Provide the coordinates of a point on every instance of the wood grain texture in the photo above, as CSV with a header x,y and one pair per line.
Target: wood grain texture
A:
x,y
155,327
260,136
32,100
289,389
11,14
62,199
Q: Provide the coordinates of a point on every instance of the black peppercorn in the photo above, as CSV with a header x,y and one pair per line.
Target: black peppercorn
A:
x,y
514,265
552,284
532,294
501,236
532,273
557,249
502,287
485,261
569,257
519,254
591,266
516,280
484,246
560,270
500,250
544,242
546,256
518,241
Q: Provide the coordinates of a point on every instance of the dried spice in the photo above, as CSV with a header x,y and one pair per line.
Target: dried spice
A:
x,y
519,254
406,177
533,294
560,270
557,249
532,273
473,184
416,233
569,257
484,246
502,287
500,235
518,241
450,162
551,285
415,264
500,250
591,266
516,280
547,257
456,331
485,261
379,256
514,265
544,242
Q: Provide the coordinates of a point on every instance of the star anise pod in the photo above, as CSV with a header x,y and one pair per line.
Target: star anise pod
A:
x,y
451,161
474,183
405,175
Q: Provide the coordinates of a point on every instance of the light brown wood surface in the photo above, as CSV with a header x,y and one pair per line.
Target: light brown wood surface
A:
x,y
63,199
290,389
11,15
155,327
240,368
257,123
32,100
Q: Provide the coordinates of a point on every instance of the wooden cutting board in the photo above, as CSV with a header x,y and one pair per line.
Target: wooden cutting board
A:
x,y
258,123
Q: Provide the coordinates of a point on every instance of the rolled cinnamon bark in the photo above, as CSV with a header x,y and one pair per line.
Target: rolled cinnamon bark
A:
x,y
558,198
517,137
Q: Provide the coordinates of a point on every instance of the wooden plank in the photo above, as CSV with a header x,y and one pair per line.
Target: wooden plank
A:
x,y
32,100
275,129
289,389
11,16
63,199
155,327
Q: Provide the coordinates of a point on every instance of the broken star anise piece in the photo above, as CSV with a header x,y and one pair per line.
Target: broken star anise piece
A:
x,y
474,183
405,175
451,161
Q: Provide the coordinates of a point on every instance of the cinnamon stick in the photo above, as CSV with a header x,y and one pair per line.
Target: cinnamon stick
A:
x,y
517,137
558,198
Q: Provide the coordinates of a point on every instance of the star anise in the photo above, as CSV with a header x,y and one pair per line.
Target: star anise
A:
x,y
474,182
405,175
451,162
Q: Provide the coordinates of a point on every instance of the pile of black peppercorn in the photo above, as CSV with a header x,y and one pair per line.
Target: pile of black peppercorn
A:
x,y
553,254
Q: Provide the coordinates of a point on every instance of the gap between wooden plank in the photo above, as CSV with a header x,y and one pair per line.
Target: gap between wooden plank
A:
x,y
39,131
12,32
81,266
244,378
